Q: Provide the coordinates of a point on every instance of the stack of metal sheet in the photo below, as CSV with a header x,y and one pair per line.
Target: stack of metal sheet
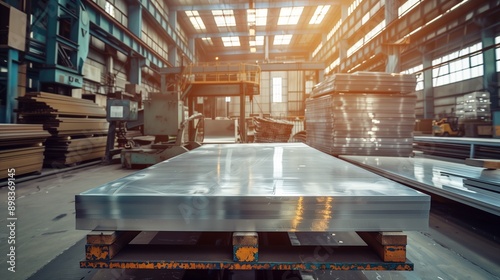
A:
x,y
341,120
21,148
361,124
474,186
269,130
458,147
78,127
253,187
374,82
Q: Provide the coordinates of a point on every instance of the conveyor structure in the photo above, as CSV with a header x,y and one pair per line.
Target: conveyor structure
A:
x,y
251,194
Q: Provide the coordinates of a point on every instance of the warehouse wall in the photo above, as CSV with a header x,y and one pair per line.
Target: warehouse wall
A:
x,y
445,96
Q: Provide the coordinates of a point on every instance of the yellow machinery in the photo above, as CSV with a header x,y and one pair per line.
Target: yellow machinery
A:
x,y
448,126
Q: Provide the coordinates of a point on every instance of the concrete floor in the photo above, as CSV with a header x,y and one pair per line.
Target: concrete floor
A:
x,y
49,247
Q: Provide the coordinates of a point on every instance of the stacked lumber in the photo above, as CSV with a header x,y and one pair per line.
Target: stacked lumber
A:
x,y
362,114
268,130
21,148
78,127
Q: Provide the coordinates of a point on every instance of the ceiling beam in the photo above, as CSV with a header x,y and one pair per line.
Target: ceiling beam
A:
x,y
273,51
258,5
258,33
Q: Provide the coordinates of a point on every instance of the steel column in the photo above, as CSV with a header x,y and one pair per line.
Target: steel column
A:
x,y
136,64
490,77
12,82
243,133
428,91
135,18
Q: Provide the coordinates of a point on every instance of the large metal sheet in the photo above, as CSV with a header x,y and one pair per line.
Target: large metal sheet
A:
x,y
253,187
474,186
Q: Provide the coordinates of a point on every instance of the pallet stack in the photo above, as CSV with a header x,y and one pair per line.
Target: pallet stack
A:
x,y
78,127
21,148
362,114
269,130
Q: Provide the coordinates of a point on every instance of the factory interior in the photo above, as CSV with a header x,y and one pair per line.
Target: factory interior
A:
x,y
250,139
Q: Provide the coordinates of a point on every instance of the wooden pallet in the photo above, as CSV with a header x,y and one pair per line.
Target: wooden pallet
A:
x,y
240,251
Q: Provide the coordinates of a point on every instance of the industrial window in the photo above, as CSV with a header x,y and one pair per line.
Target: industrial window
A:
x,y
418,71
407,6
277,89
464,64
353,6
110,9
309,86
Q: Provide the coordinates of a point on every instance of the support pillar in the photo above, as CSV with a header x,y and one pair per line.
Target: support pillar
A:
x,y
191,127
192,47
110,68
266,48
12,83
172,49
393,64
428,91
243,133
135,18
136,64
343,45
490,77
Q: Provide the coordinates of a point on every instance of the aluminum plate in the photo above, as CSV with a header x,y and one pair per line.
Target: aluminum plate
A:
x,y
253,187
474,186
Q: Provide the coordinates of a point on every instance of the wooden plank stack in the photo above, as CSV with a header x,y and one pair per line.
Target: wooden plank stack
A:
x,y
268,130
21,148
78,127
362,114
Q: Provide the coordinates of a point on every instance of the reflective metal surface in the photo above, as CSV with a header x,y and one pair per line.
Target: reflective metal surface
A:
x,y
474,186
361,124
253,187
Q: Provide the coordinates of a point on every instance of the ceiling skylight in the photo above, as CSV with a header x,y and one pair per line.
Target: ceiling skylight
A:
x,y
196,20
208,41
259,41
290,15
224,18
257,17
319,14
282,39
231,41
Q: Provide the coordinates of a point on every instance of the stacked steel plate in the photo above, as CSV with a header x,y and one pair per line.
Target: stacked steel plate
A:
x,y
269,130
262,187
78,127
362,114
21,148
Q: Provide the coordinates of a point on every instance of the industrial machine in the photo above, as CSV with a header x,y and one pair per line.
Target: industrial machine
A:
x,y
121,108
448,126
164,118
